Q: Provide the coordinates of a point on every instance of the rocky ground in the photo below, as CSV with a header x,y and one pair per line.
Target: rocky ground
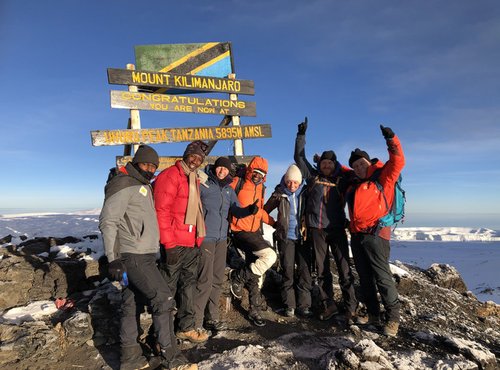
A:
x,y
443,325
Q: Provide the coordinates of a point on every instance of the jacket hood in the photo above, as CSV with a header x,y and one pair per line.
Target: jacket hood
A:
x,y
376,164
257,163
130,170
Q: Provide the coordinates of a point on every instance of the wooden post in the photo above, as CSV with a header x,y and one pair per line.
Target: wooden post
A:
x,y
135,119
238,144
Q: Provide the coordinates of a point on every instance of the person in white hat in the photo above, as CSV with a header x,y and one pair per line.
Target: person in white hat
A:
x,y
289,198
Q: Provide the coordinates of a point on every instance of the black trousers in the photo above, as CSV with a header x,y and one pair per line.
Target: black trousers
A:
x,y
371,257
336,239
146,281
209,283
248,242
181,279
295,292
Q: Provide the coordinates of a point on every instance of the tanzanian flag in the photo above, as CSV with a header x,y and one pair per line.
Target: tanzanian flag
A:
x,y
212,59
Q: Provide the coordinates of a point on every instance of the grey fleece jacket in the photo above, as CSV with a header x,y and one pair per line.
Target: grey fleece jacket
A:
x,y
128,218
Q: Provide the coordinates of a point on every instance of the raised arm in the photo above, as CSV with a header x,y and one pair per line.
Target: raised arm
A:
x,y
299,154
396,162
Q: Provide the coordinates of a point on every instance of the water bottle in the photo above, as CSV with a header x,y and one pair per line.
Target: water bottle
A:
x,y
124,280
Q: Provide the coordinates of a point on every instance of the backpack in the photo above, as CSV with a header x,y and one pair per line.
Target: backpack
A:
x,y
395,213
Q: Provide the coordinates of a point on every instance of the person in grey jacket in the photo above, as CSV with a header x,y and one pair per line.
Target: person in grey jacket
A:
x,y
219,200
131,238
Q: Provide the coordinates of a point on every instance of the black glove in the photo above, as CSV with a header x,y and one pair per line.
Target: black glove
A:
x,y
253,208
172,255
302,127
387,132
116,270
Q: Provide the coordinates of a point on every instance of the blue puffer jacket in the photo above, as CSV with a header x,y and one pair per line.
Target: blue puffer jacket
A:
x,y
218,199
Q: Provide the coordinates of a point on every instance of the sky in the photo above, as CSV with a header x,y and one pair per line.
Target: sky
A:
x,y
429,70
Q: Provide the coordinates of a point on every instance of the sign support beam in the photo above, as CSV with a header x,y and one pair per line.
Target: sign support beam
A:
x,y
135,119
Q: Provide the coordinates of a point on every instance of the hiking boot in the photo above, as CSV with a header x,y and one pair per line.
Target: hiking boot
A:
x,y
236,286
256,318
329,312
349,317
215,325
185,367
194,335
373,320
289,312
179,362
304,312
131,358
391,328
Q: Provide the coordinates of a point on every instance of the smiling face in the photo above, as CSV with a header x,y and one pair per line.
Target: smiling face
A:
x,y
326,167
360,167
193,161
292,185
221,172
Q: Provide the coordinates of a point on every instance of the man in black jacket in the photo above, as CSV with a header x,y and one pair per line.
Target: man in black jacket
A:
x,y
326,223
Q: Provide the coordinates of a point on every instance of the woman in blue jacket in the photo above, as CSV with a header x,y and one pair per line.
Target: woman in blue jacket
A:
x,y
218,199
288,198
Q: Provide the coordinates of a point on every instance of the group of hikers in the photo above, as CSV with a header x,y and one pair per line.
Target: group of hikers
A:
x,y
189,214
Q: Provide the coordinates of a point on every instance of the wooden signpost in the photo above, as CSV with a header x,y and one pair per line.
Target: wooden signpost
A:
x,y
179,103
173,135
182,69
179,81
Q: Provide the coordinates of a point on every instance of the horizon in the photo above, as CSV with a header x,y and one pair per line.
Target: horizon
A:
x,y
486,220
427,70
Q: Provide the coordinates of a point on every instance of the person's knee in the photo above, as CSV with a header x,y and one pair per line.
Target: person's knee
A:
x,y
162,302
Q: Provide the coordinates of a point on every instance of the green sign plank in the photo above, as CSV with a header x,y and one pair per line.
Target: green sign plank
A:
x,y
172,135
206,59
166,162
180,103
179,81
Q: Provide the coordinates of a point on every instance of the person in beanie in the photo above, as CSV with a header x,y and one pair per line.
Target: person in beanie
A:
x,y
326,223
370,244
130,236
289,198
218,200
248,238
182,229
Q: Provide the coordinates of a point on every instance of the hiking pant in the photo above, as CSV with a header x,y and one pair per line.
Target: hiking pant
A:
x,y
337,240
259,257
209,283
371,257
146,281
292,253
181,278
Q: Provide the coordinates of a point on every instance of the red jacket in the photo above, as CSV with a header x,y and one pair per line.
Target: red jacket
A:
x,y
171,191
248,194
368,204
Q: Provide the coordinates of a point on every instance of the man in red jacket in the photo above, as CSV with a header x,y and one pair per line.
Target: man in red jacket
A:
x,y
182,228
369,243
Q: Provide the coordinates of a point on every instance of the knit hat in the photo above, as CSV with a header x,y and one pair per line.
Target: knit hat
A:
x,y
357,154
328,154
146,154
293,174
223,162
196,147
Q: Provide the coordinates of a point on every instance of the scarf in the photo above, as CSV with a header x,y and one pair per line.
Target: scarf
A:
x,y
194,213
